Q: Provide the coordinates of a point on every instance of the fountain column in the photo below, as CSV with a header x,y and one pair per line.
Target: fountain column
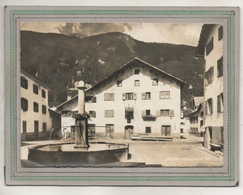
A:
x,y
80,130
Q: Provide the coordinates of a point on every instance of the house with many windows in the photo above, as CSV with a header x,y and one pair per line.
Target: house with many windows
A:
x,y
138,98
197,116
210,47
36,119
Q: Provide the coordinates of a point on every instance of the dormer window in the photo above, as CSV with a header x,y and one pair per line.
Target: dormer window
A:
x,y
136,71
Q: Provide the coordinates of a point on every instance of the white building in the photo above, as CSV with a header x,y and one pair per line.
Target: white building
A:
x,y
138,98
210,47
36,121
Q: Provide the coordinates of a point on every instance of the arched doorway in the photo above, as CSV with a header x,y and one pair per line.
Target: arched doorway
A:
x,y
128,131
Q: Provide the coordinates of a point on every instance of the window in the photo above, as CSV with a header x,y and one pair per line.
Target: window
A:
x,y
35,89
92,113
119,83
24,82
43,93
220,102
164,95
109,96
147,129
209,106
136,71
36,128
209,46
24,126
44,127
147,112
209,76
201,123
220,67
24,104
155,82
165,130
36,107
220,33
129,96
146,96
165,112
109,113
43,109
91,99
136,83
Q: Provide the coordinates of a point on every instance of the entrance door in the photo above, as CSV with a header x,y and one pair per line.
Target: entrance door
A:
x,y
128,131
165,130
36,126
109,130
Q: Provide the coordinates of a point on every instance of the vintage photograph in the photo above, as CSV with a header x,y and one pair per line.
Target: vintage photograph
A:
x,y
121,94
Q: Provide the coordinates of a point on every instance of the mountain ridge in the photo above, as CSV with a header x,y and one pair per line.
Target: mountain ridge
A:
x,y
55,59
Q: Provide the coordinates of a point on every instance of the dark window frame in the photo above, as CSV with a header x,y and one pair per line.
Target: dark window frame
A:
x,y
35,89
23,82
35,107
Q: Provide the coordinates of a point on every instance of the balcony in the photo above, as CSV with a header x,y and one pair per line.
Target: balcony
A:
x,y
149,117
129,113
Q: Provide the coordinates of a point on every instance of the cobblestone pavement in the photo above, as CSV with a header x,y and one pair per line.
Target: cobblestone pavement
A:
x,y
186,152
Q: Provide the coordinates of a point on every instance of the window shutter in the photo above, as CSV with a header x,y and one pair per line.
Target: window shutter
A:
x,y
143,96
158,113
123,96
143,113
134,96
172,113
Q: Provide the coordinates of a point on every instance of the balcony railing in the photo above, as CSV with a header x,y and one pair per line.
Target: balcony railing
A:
x,y
149,117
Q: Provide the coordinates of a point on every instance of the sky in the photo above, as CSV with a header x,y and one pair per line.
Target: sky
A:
x,y
186,34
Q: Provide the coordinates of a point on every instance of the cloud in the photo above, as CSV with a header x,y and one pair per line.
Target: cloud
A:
x,y
92,28
178,33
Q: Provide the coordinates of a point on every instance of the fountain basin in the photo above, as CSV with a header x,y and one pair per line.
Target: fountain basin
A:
x,y
64,154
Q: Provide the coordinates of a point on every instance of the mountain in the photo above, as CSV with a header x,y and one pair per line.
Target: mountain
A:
x,y
55,60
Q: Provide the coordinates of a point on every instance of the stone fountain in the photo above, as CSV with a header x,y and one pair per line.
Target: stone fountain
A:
x,y
81,152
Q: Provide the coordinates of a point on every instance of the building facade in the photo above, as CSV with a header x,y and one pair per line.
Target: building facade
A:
x,y
136,99
196,121
36,121
210,47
